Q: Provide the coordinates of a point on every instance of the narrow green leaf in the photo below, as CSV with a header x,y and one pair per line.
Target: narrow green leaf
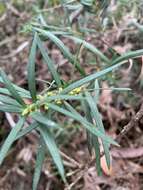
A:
x,y
62,47
97,152
48,61
22,92
71,109
90,47
10,139
9,100
31,68
39,162
84,122
4,91
63,97
93,141
41,118
120,89
90,78
96,91
10,108
96,115
89,135
52,147
11,88
129,55
26,130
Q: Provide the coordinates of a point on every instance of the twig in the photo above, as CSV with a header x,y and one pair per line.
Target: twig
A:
x,y
134,122
3,17
10,120
7,40
70,159
74,183
17,51
13,9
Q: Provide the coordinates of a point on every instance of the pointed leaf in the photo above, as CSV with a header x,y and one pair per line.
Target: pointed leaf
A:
x,y
96,115
49,62
11,88
41,118
10,139
96,91
26,130
97,152
63,97
90,78
84,122
62,47
93,141
31,68
52,147
129,55
90,47
10,108
9,100
39,162
21,91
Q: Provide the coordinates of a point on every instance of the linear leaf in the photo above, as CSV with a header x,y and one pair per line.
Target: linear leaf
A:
x,y
96,91
96,115
92,140
84,122
62,47
39,162
129,55
89,135
90,47
4,91
41,118
52,147
31,68
10,139
63,97
90,78
11,88
97,151
26,130
10,108
9,100
49,62
23,92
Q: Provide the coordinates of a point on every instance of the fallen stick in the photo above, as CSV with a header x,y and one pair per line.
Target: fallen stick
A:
x,y
134,122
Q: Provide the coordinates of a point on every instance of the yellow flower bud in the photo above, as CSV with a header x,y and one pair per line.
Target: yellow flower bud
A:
x,y
46,107
40,97
60,89
75,91
25,111
71,93
51,93
58,102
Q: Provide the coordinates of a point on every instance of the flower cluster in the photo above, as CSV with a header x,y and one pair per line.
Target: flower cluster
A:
x,y
40,98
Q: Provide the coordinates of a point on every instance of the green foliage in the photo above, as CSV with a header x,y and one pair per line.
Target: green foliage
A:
x,y
31,69
10,139
2,8
39,162
59,100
